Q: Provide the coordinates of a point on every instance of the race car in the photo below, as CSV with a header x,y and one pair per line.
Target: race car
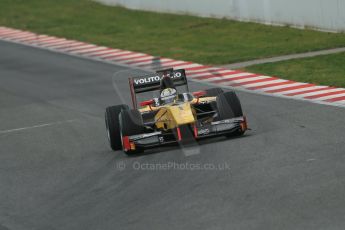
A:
x,y
173,116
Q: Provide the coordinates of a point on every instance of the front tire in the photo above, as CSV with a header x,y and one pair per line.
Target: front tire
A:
x,y
131,123
229,106
113,126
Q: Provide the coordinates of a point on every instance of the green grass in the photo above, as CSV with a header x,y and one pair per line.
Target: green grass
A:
x,y
202,40
321,70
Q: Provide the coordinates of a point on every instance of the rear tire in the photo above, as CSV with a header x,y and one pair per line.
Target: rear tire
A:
x,y
131,123
113,126
229,106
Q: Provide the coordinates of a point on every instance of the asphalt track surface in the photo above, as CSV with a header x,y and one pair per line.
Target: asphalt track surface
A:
x,y
57,171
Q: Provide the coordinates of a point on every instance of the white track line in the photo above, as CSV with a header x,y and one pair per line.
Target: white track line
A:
x,y
35,126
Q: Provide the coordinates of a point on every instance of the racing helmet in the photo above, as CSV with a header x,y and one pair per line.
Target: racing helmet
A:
x,y
168,95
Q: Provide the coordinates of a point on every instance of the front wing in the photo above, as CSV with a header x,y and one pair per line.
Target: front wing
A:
x,y
149,140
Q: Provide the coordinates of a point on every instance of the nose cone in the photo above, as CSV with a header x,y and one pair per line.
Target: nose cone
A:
x,y
182,114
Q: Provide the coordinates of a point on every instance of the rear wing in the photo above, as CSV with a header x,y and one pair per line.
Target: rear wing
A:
x,y
151,82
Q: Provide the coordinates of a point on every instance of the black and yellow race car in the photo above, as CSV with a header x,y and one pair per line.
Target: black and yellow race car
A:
x,y
171,116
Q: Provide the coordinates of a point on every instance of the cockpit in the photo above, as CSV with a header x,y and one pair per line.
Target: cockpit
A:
x,y
170,96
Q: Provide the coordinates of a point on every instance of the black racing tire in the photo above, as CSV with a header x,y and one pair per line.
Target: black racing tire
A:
x,y
113,126
213,92
131,123
229,106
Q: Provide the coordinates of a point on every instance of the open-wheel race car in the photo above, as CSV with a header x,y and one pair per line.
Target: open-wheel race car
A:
x,y
171,116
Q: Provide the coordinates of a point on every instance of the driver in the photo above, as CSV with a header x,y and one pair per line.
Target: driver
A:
x,y
168,95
